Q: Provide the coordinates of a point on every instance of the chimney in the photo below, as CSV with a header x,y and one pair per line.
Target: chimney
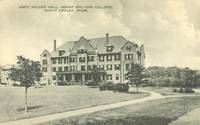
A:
x,y
107,38
54,45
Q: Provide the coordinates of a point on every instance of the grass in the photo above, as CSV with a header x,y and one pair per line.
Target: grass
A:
x,y
165,91
159,112
50,100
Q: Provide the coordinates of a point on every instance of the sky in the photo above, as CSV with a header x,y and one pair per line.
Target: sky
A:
x,y
169,29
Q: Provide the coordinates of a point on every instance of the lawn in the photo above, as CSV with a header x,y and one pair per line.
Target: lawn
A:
x,y
165,91
159,112
191,118
50,100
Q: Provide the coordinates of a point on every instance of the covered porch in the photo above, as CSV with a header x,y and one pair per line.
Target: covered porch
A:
x,y
78,76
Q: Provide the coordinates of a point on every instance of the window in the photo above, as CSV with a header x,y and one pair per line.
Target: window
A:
x,y
44,69
109,76
131,56
60,77
101,67
127,66
88,76
128,48
44,77
109,67
109,49
82,50
94,66
73,68
59,61
44,62
54,69
65,60
90,58
89,67
128,56
117,66
54,61
59,69
117,76
65,68
72,59
109,57
101,58
45,55
82,68
126,77
61,52
117,57
81,59
54,77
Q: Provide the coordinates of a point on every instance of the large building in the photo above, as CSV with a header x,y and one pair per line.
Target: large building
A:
x,y
4,75
73,61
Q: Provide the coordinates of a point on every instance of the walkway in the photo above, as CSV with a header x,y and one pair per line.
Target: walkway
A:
x,y
191,118
46,118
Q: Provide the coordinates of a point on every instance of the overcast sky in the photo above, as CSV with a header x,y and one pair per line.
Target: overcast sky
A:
x,y
169,29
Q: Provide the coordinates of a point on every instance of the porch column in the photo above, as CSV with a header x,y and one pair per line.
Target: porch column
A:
x,y
101,77
56,83
83,77
73,77
64,77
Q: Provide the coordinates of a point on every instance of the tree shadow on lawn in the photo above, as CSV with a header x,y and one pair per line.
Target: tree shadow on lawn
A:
x,y
138,120
135,92
30,108
122,120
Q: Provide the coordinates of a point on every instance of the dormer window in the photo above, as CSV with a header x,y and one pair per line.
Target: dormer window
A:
x,y
109,48
82,51
45,55
61,52
128,48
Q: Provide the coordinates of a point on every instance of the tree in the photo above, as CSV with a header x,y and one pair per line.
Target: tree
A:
x,y
187,77
96,73
27,72
136,74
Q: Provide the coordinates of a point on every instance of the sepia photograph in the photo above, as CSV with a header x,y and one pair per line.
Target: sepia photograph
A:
x,y
99,62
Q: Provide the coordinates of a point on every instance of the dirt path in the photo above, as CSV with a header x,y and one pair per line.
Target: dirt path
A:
x,y
46,118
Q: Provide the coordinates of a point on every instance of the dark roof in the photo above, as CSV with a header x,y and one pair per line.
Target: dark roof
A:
x,y
66,46
116,41
97,43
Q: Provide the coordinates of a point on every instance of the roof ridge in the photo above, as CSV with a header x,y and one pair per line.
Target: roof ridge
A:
x,y
89,39
105,37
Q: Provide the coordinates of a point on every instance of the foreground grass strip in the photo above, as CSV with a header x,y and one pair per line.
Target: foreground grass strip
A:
x,y
157,112
63,115
50,100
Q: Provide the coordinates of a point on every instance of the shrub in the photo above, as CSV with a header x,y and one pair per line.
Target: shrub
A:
x,y
174,90
91,83
120,87
186,90
189,90
63,83
181,90
106,86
